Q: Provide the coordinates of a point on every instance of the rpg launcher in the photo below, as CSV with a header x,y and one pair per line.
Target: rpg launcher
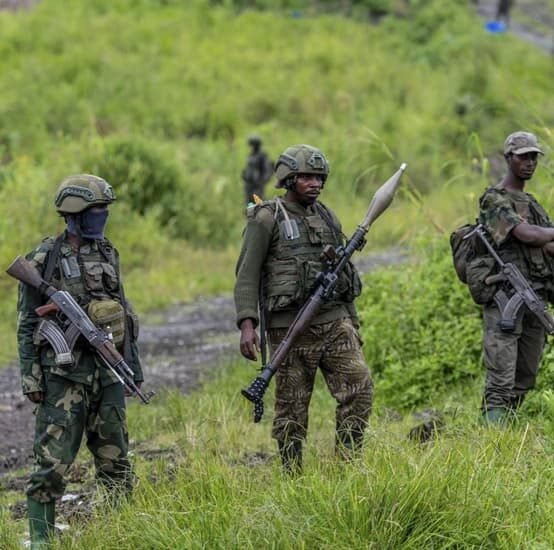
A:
x,y
80,325
337,259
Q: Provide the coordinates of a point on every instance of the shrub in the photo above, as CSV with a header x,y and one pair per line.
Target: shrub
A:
x,y
421,331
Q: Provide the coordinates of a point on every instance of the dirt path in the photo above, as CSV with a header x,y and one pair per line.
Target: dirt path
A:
x,y
179,347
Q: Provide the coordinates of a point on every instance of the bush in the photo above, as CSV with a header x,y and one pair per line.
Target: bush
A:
x,y
143,174
422,332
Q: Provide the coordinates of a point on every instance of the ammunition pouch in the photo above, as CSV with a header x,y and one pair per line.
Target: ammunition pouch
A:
x,y
477,271
109,315
289,283
132,323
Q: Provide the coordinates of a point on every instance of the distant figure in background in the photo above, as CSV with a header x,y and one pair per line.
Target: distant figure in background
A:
x,y
258,170
503,11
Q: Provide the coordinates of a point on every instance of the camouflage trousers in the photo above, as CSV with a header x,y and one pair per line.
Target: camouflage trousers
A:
x,y
335,348
70,410
512,358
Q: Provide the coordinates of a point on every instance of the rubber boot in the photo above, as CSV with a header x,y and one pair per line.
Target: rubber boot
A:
x,y
496,415
291,456
41,523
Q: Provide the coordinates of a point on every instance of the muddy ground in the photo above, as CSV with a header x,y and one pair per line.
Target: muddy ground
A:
x,y
184,344
178,348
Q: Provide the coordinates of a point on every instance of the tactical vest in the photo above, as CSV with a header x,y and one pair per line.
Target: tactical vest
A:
x,y
91,277
293,264
534,264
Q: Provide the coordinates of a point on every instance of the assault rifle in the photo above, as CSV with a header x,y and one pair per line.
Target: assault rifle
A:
x,y
337,259
523,291
80,325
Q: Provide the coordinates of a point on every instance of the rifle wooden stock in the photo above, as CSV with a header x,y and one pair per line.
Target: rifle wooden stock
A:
x,y
323,291
22,270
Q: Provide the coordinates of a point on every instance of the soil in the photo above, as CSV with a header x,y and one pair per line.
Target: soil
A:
x,y
179,348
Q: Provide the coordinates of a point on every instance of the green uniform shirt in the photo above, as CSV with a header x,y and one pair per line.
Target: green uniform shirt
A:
x,y
501,211
97,277
288,268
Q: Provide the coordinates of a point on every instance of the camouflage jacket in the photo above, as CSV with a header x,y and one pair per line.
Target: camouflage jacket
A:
x,y
97,276
288,268
500,212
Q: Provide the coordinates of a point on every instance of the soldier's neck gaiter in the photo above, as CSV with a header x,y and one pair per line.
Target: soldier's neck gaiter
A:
x,y
90,224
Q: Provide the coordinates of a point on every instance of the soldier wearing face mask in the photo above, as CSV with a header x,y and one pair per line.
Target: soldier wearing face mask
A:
x,y
82,398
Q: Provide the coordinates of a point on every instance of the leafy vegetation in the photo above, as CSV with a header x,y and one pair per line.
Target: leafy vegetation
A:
x,y
158,96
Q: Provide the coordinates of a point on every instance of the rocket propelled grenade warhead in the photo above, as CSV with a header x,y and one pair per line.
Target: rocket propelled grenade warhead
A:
x,y
383,197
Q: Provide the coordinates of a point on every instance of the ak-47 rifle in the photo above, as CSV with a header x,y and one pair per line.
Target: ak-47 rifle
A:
x,y
80,325
337,259
523,291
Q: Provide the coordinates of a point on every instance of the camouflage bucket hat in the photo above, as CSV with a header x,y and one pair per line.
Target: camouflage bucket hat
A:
x,y
520,143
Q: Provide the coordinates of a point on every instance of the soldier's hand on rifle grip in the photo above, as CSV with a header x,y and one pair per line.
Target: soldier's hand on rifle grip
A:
x,y
128,392
549,248
36,396
249,341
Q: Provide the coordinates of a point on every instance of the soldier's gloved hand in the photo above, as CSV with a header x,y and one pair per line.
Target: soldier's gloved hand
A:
x,y
35,396
249,341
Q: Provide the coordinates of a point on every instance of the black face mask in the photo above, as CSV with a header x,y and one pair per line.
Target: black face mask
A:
x,y
90,224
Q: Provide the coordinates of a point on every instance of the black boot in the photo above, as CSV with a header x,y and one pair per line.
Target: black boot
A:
x,y
291,456
348,444
41,523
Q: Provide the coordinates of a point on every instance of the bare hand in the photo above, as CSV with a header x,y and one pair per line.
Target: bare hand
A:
x,y
549,248
35,396
249,341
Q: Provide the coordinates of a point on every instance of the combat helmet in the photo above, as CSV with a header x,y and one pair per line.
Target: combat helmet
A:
x,y
300,159
79,192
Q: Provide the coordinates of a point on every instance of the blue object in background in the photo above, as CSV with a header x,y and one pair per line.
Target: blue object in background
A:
x,y
495,26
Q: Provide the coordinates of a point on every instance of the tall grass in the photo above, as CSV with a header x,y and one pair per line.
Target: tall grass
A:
x,y
220,485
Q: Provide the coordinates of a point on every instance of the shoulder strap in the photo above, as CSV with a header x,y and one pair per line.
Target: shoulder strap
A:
x,y
53,258
114,259
325,213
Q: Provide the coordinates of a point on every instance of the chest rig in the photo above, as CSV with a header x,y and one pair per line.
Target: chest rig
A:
x,y
295,257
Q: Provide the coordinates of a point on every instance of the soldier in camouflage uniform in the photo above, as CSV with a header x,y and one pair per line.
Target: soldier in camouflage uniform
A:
x,y
282,247
523,234
83,397
257,171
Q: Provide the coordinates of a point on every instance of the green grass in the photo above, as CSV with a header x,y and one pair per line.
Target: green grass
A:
x,y
163,103
473,487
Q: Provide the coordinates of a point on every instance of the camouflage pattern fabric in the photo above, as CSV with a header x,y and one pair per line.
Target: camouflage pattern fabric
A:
x,y
95,278
84,398
500,212
512,359
71,409
334,348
